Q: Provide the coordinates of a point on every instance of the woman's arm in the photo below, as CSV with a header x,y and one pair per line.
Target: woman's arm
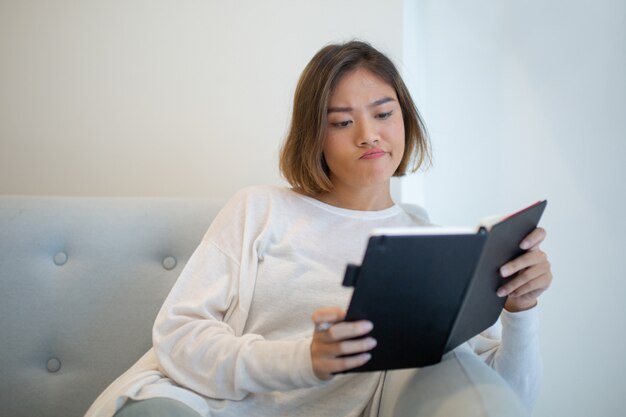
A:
x,y
511,347
198,348
198,335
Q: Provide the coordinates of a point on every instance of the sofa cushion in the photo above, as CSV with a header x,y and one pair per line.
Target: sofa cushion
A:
x,y
81,281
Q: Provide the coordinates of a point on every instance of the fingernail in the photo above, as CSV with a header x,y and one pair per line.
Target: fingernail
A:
x,y
501,292
525,244
505,271
367,326
323,326
371,343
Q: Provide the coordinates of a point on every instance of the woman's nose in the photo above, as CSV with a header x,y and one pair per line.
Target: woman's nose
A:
x,y
368,141
367,134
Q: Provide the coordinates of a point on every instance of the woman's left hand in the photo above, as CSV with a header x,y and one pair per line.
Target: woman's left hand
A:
x,y
531,274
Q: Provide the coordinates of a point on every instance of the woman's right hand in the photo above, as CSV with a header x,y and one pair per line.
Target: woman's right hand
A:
x,y
331,343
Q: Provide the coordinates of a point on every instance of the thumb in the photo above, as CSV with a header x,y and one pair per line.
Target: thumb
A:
x,y
328,314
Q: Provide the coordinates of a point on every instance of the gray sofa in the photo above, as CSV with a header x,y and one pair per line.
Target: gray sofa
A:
x,y
81,281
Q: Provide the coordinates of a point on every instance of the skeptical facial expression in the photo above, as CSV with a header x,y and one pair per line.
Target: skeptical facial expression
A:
x,y
364,140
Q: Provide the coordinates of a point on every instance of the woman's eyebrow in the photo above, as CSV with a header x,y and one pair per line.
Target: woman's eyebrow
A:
x,y
375,103
381,101
339,109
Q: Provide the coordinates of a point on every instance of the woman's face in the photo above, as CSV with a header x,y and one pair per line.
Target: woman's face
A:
x,y
364,140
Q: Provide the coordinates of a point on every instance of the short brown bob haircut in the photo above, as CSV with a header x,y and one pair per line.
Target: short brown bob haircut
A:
x,y
301,158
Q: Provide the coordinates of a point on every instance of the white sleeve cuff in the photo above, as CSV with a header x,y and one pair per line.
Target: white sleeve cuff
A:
x,y
521,327
278,365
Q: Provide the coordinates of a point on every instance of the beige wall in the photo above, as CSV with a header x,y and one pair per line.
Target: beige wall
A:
x,y
160,98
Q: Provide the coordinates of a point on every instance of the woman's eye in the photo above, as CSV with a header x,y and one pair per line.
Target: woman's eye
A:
x,y
384,116
342,124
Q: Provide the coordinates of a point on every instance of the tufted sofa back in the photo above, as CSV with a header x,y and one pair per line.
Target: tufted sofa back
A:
x,y
81,281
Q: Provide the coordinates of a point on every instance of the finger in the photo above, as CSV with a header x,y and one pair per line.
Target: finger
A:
x,y
533,294
334,366
325,317
344,330
526,291
347,347
538,275
328,314
533,239
534,287
526,260
328,358
349,362
349,330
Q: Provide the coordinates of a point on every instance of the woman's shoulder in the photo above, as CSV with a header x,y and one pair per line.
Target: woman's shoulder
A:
x,y
249,210
417,213
263,194
259,200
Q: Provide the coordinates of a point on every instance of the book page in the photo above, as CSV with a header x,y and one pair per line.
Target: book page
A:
x,y
489,222
424,230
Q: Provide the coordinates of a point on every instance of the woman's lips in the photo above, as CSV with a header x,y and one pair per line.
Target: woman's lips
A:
x,y
373,154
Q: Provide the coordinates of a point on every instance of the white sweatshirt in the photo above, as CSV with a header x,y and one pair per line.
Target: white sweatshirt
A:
x,y
233,336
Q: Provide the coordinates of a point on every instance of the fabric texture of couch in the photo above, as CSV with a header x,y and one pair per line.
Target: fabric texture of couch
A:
x,y
81,281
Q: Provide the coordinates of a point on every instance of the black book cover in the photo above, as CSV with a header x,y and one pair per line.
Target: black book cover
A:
x,y
428,293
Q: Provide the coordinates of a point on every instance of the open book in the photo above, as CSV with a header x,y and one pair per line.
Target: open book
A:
x,y
429,289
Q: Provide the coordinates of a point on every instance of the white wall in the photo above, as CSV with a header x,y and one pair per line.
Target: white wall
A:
x,y
527,100
163,98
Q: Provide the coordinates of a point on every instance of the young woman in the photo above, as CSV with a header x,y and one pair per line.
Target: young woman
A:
x,y
253,326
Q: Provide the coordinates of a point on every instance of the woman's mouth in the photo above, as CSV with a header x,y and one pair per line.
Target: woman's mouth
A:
x,y
373,154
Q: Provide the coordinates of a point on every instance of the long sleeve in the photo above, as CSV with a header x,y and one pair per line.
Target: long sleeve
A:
x,y
511,347
197,335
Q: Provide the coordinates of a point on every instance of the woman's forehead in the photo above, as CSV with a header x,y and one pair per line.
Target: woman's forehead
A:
x,y
361,85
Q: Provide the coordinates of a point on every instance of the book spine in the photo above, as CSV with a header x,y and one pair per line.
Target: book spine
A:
x,y
451,343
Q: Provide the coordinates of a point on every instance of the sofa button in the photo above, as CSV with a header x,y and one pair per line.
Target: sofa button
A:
x,y
60,258
169,263
53,365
